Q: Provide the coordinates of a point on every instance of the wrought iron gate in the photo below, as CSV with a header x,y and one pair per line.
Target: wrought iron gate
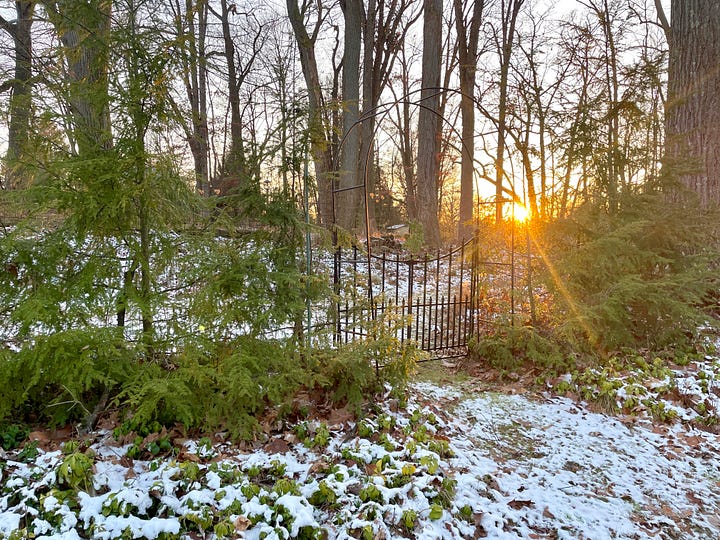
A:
x,y
432,300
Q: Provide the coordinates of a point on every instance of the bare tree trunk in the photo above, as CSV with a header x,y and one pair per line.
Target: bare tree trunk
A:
x,y
194,77
200,115
319,140
468,34
384,30
405,140
411,196
693,105
84,31
348,201
524,146
428,160
371,45
509,14
235,170
21,94
612,167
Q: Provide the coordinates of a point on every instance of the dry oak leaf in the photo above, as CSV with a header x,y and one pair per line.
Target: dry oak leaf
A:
x,y
242,523
519,504
277,446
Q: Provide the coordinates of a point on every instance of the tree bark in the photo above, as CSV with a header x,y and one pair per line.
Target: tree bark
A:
x,y
693,105
319,140
193,60
468,34
348,201
428,160
84,31
21,94
509,16
235,169
404,139
384,31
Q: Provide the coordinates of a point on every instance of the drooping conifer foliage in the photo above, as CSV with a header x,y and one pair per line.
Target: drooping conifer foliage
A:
x,y
644,276
123,290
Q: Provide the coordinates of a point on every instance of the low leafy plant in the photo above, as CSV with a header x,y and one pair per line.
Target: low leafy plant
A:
x,y
371,492
321,438
12,435
76,469
409,519
512,348
29,452
324,496
149,447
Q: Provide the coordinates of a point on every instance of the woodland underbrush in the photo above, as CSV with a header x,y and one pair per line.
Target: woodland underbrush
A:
x,y
629,300
136,316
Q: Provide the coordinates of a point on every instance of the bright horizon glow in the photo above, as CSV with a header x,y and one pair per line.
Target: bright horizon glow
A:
x,y
520,213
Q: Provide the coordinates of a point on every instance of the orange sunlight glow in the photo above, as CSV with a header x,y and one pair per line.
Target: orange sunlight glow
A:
x,y
520,213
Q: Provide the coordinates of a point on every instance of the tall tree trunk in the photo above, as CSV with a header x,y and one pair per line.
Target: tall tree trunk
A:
x,y
371,46
509,14
348,200
21,94
468,36
405,140
612,167
201,133
428,160
384,30
193,54
693,105
84,31
319,140
234,165
199,145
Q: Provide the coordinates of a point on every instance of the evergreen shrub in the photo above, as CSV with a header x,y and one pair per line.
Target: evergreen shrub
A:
x,y
223,345
511,348
636,278
360,368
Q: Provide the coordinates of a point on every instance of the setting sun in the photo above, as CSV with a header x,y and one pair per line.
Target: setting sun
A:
x,y
520,212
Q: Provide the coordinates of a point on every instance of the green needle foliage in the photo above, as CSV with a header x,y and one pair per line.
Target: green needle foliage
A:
x,y
639,278
121,288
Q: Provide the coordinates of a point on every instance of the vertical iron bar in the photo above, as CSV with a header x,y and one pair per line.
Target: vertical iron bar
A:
x,y
474,279
437,278
347,318
450,262
417,310
463,294
308,249
336,289
402,331
411,279
512,268
439,333
397,278
427,316
382,283
451,312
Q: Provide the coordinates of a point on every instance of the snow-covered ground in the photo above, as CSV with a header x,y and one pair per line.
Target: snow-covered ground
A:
x,y
442,462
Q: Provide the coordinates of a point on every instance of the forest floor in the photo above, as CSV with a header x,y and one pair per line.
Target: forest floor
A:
x,y
456,456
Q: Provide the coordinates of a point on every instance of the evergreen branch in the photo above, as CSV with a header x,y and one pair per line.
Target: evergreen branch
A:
x,y
73,400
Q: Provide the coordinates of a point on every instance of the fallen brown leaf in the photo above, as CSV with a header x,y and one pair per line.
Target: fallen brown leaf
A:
x,y
188,456
519,504
242,523
277,446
